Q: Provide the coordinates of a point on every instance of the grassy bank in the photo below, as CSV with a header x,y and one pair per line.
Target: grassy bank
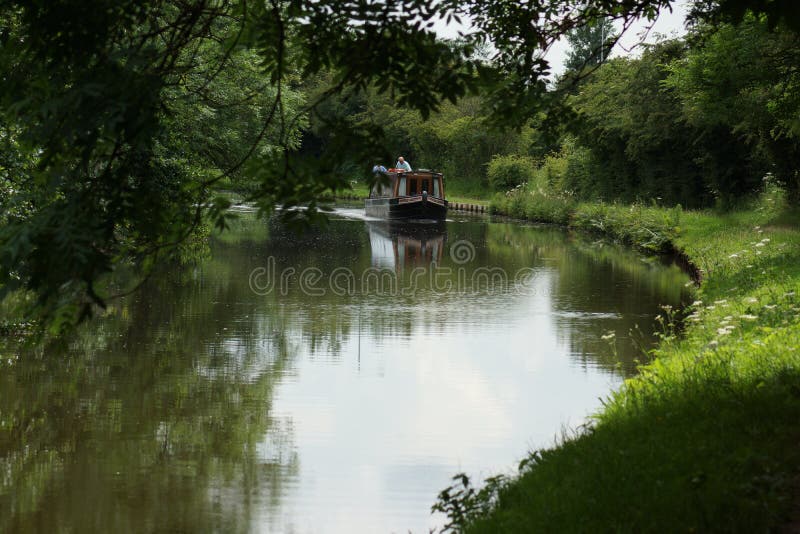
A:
x,y
357,191
706,437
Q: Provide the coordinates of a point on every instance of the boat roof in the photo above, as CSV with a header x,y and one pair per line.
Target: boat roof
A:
x,y
418,171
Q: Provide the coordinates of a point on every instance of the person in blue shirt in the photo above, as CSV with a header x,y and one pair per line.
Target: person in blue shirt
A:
x,y
402,164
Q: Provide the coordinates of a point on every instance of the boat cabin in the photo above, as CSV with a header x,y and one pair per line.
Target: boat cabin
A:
x,y
409,184
412,195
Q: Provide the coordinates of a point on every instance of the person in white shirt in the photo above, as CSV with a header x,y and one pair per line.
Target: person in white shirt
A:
x,y
402,164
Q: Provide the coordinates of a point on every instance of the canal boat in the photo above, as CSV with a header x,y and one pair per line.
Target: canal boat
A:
x,y
407,195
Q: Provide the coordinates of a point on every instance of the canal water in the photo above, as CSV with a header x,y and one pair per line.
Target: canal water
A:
x,y
328,382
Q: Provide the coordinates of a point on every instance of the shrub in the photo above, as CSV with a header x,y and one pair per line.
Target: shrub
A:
x,y
507,172
537,205
552,172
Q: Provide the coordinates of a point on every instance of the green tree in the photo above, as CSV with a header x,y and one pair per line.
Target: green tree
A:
x,y
590,45
742,81
638,145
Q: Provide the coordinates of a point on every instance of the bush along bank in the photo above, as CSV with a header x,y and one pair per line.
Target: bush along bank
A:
x,y
706,437
650,229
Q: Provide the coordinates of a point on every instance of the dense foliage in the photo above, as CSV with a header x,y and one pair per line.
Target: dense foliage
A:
x,y
700,121
694,122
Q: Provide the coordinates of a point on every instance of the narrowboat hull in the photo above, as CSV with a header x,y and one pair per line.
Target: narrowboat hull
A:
x,y
407,208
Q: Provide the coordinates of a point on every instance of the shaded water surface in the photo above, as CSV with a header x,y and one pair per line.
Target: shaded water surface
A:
x,y
328,383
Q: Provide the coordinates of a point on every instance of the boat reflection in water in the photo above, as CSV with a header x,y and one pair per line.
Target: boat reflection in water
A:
x,y
401,245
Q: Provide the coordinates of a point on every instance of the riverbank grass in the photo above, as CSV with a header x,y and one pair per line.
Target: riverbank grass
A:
x,y
706,437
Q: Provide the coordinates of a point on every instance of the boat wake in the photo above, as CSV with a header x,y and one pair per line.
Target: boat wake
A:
x,y
352,213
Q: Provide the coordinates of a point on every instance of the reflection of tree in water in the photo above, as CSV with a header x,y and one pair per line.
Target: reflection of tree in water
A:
x,y
154,419
609,279
592,288
597,288
326,322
